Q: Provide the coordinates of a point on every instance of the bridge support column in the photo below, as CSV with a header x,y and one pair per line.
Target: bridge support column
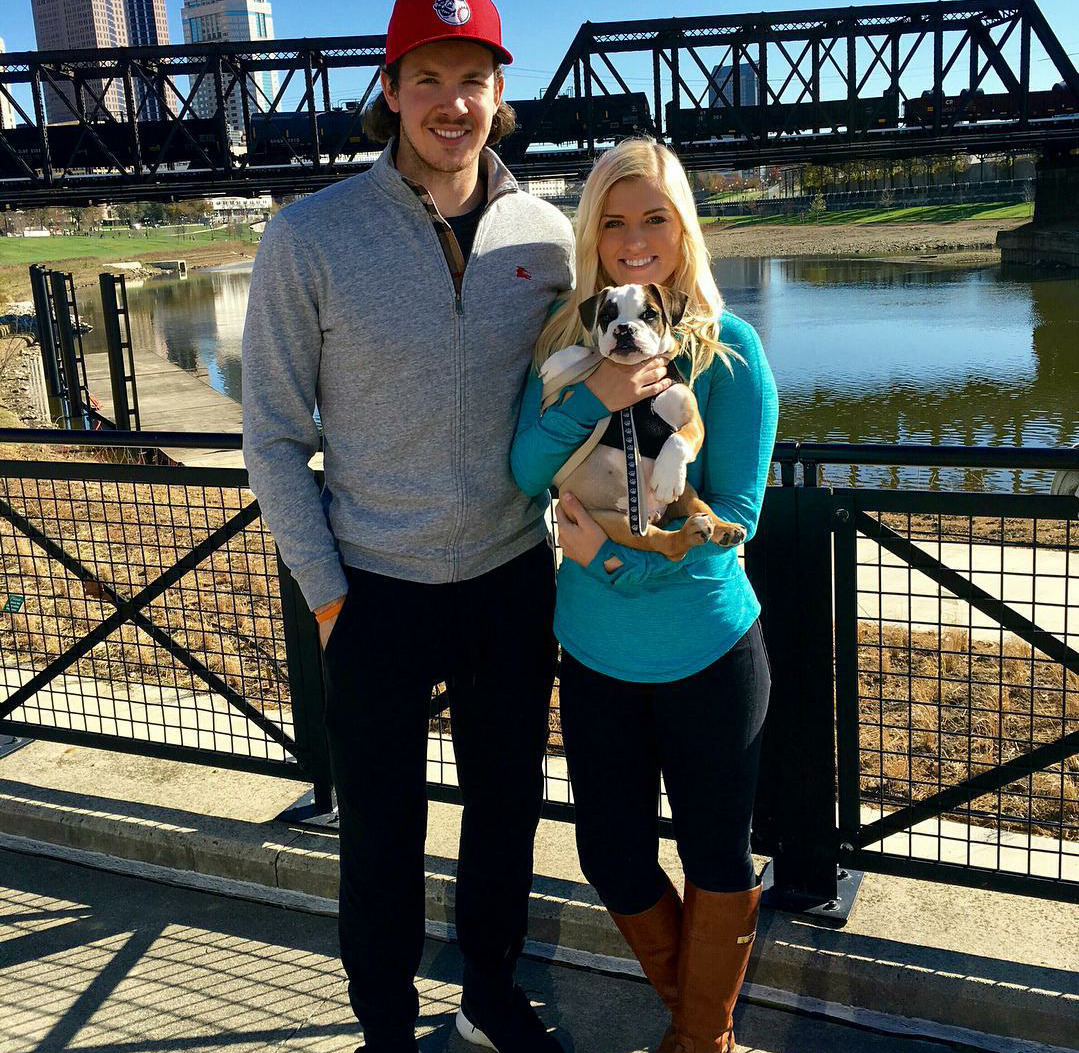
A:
x,y
1052,239
1056,196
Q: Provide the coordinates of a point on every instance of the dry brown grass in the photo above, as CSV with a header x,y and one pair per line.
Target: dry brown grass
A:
x,y
1049,533
938,707
226,612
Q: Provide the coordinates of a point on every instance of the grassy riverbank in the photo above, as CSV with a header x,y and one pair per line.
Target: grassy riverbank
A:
x,y
907,214
87,255
872,236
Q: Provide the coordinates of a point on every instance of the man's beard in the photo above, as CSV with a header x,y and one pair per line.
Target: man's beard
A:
x,y
447,168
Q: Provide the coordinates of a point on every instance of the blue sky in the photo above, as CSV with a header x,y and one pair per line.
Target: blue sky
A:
x,y
538,33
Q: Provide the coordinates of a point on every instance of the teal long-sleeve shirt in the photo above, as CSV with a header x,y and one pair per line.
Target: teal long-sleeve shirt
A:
x,y
655,620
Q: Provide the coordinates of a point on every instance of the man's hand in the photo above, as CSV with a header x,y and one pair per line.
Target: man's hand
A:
x,y
618,386
580,536
325,627
324,630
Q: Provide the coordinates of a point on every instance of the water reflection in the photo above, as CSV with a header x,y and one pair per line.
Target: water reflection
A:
x,y
196,323
872,351
862,350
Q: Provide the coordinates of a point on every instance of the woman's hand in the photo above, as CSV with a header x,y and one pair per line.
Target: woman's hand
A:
x,y
618,386
580,536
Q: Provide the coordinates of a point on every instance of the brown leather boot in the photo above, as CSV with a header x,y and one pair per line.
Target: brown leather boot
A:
x,y
654,936
717,938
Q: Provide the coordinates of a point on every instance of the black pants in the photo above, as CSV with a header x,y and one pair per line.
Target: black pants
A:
x,y
490,639
703,733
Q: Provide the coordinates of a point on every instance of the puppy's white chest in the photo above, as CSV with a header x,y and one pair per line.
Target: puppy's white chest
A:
x,y
601,482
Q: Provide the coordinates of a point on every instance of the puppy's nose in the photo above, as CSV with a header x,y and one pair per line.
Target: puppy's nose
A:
x,y
622,330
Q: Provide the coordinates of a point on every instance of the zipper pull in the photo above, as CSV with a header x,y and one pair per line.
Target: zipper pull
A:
x,y
457,303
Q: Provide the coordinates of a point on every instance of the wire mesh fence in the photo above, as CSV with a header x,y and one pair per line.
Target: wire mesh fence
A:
x,y
966,697
142,604
144,608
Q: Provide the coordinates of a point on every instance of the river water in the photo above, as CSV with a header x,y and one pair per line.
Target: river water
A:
x,y
862,351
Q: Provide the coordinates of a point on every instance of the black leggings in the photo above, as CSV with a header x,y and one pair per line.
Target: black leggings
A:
x,y
703,733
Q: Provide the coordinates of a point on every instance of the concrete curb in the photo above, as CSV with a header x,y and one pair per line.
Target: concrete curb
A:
x,y
1028,1003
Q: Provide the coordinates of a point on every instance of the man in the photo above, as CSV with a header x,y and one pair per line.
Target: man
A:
x,y
405,301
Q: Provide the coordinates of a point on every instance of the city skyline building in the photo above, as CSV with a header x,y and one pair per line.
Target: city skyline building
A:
x,y
724,96
7,111
148,24
206,20
66,25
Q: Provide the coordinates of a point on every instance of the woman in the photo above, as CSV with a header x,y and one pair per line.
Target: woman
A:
x,y
663,665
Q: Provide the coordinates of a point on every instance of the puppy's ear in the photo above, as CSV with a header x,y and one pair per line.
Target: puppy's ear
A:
x,y
672,301
590,308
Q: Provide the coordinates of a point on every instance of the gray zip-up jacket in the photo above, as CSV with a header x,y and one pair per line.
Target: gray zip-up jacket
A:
x,y
353,307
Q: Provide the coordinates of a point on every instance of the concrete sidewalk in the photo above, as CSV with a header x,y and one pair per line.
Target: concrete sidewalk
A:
x,y
131,967
948,957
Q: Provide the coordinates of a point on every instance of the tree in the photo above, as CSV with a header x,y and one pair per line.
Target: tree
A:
x,y
817,207
182,212
152,212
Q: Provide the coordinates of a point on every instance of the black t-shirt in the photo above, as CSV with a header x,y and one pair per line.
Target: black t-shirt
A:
x,y
464,227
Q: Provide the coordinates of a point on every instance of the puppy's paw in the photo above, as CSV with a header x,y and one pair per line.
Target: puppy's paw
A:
x,y
563,360
669,474
729,535
699,528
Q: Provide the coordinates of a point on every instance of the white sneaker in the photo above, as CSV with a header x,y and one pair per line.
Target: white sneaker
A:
x,y
470,1033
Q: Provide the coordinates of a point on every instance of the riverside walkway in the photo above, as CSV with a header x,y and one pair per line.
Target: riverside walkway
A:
x,y
916,960
135,966
172,399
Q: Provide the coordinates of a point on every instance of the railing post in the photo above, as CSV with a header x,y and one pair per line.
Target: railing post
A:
x,y
790,564
46,337
75,409
848,745
114,342
306,687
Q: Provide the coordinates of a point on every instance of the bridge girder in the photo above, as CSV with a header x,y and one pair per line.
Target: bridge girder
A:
x,y
226,133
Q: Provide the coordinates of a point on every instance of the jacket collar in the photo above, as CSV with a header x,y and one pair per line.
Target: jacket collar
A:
x,y
384,172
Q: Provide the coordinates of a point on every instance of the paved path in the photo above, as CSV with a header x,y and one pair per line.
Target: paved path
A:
x,y
93,962
172,399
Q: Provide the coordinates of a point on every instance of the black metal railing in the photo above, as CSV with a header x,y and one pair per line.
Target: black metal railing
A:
x,y
146,611
925,707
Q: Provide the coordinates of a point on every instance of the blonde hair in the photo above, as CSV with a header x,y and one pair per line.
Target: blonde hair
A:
x,y
642,158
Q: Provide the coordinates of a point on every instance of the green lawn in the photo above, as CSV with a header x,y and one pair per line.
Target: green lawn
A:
x,y
113,245
912,214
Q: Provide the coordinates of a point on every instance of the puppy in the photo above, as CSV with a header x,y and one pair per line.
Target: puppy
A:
x,y
632,323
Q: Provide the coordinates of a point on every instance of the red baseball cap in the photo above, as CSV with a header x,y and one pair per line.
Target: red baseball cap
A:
x,y
417,22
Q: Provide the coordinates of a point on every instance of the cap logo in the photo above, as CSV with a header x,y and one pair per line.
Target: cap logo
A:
x,y
453,12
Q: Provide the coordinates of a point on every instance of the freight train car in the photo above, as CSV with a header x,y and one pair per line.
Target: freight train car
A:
x,y
565,119
968,108
705,124
285,138
111,146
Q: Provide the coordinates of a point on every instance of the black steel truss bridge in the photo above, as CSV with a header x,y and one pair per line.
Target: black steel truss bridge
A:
x,y
820,86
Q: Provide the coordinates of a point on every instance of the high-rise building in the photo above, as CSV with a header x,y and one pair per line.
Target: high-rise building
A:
x,y
148,24
7,111
64,25
723,95
206,20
